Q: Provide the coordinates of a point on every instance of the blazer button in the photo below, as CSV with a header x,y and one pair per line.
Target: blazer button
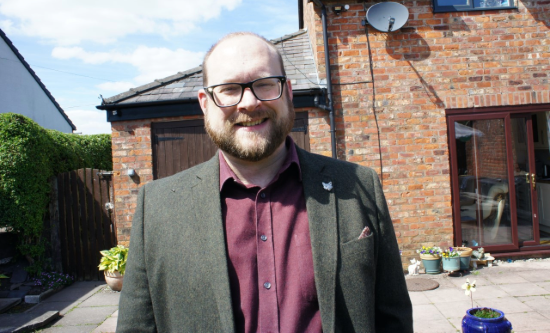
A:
x,y
262,195
263,237
267,285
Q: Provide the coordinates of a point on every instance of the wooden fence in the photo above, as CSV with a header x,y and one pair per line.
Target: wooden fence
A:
x,y
86,221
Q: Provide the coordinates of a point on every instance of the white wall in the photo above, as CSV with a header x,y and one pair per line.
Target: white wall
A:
x,y
20,93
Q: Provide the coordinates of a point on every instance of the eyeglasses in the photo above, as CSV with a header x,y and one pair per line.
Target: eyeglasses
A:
x,y
230,94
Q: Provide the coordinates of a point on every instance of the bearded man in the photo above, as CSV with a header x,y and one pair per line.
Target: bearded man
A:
x,y
264,237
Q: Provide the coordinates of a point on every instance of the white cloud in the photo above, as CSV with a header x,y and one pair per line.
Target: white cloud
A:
x,y
69,22
89,122
151,62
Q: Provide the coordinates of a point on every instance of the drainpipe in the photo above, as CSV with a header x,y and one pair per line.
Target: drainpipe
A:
x,y
329,85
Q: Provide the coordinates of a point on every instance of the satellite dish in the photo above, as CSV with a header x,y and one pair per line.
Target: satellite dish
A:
x,y
387,16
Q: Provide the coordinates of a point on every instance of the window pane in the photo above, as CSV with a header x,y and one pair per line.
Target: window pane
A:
x,y
492,3
483,181
453,2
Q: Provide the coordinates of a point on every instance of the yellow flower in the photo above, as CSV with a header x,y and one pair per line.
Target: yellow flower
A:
x,y
469,287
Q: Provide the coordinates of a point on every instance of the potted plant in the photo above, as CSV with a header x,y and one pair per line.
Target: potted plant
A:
x,y
451,260
465,257
431,258
483,319
113,263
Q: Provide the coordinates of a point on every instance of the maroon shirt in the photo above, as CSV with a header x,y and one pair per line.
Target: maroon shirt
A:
x,y
269,248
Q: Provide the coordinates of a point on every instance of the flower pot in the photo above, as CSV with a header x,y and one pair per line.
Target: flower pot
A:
x,y
451,264
114,280
471,323
465,257
431,262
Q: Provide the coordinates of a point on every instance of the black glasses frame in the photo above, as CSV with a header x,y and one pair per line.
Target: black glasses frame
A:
x,y
210,90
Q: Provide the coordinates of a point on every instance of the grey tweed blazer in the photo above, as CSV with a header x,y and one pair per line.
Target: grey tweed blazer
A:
x,y
176,277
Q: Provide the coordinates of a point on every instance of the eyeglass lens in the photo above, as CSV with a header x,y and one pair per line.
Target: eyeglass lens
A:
x,y
231,94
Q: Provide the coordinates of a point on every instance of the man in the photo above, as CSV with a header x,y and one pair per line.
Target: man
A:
x,y
264,237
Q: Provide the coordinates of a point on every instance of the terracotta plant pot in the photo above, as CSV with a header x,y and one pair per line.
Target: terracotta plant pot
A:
x,y
114,280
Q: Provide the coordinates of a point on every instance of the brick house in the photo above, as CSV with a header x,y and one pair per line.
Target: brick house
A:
x,y
451,110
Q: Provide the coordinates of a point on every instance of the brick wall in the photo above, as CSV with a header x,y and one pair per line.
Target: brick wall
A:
x,y
435,62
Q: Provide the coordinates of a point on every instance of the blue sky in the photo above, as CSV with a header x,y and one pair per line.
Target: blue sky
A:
x,y
81,49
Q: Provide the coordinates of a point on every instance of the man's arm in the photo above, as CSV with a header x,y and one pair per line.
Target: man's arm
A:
x,y
393,305
135,307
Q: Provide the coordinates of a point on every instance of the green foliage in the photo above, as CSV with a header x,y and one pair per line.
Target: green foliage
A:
x,y
29,156
114,259
486,313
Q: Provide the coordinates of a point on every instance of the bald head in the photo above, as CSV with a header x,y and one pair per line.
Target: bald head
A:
x,y
236,38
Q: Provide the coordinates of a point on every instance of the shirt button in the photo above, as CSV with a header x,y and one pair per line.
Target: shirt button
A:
x,y
262,195
263,237
267,285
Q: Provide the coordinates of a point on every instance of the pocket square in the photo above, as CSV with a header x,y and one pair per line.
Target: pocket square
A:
x,y
364,233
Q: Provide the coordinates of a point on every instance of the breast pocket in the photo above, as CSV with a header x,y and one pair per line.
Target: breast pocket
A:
x,y
359,247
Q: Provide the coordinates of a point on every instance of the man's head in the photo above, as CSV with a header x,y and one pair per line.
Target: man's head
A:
x,y
252,129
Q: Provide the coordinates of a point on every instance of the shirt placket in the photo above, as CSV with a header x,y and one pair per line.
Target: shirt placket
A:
x,y
268,314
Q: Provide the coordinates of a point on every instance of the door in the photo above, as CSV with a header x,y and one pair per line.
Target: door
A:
x,y
493,180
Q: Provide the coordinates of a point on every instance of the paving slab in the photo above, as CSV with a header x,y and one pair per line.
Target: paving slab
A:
x,y
62,307
427,318
506,278
507,305
542,275
77,292
528,322
7,303
540,304
523,289
488,292
86,316
108,326
69,329
21,322
445,295
419,298
102,298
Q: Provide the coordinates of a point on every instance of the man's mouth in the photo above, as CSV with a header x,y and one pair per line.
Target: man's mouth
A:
x,y
251,123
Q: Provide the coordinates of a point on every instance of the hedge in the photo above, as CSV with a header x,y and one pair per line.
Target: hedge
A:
x,y
29,156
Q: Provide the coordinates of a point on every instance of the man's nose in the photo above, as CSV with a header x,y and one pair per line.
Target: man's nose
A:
x,y
249,101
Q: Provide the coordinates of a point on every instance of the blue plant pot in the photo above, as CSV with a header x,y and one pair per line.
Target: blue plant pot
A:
x,y
431,263
451,264
465,263
473,324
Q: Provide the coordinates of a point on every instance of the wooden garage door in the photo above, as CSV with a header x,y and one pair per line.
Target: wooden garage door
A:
x,y
179,145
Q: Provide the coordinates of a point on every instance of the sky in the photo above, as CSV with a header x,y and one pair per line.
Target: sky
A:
x,y
83,49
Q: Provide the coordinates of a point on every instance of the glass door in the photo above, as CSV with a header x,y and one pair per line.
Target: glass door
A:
x,y
484,191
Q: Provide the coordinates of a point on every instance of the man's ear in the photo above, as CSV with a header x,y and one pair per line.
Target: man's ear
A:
x,y
203,100
289,87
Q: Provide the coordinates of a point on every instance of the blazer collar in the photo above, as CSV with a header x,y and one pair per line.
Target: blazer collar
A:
x,y
321,212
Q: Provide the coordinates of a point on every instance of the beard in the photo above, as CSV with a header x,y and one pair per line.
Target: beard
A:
x,y
259,145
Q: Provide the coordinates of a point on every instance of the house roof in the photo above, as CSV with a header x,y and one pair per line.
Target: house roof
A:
x,y
36,78
298,62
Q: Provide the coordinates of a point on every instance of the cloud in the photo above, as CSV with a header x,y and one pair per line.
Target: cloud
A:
x,y
151,62
89,122
69,22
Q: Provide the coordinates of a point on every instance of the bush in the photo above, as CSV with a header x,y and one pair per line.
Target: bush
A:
x,y
29,156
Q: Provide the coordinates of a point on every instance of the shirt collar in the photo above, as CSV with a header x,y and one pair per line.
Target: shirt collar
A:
x,y
291,158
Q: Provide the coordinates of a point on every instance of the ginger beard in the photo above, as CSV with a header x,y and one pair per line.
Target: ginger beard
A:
x,y
252,146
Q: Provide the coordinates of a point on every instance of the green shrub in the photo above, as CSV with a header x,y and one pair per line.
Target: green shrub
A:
x,y
29,156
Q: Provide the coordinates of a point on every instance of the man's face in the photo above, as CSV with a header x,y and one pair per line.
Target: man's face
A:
x,y
251,130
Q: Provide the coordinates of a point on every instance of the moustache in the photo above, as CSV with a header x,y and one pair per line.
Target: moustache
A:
x,y
240,117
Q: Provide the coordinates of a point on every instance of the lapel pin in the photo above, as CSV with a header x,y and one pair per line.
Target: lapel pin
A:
x,y
327,186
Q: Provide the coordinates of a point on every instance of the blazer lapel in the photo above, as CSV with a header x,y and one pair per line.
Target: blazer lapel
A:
x,y
207,207
321,212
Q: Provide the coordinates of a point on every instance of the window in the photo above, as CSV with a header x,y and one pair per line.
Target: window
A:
x,y
442,6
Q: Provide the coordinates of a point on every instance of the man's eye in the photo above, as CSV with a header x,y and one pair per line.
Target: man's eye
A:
x,y
228,89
